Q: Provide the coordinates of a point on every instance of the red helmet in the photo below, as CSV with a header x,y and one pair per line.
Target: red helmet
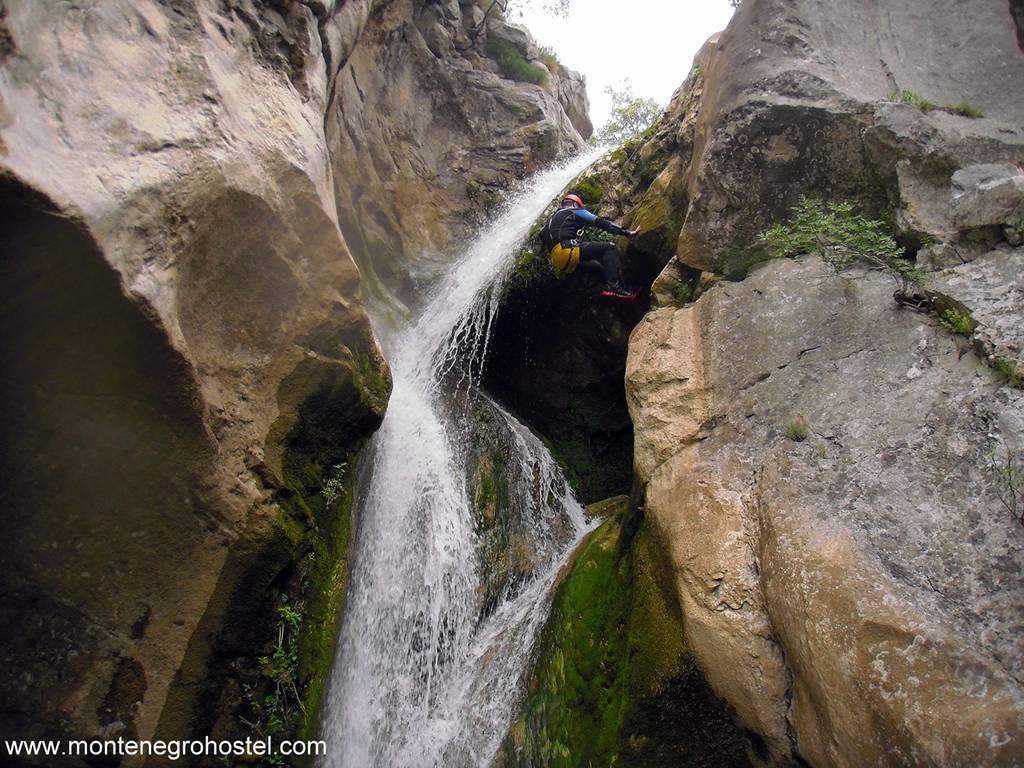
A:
x,y
573,198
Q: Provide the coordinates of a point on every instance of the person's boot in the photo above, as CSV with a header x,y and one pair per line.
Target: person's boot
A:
x,y
617,290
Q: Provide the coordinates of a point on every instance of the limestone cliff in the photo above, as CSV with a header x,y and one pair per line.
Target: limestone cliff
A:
x,y
189,370
830,479
827,468
426,129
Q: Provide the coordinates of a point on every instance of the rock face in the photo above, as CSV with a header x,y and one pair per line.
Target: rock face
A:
x,y
829,472
426,133
860,584
189,365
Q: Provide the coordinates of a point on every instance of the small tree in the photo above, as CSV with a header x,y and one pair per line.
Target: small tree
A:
x,y
631,115
842,237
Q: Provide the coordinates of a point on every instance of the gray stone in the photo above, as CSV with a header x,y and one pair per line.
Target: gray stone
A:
x,y
990,286
869,567
406,156
796,105
988,193
516,34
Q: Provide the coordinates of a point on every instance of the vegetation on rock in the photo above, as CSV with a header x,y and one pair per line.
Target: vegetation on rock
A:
x,y
513,64
614,683
1008,372
550,59
963,109
631,115
1007,468
796,430
957,321
842,237
905,96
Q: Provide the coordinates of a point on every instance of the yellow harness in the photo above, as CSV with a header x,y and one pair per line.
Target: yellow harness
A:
x,y
565,259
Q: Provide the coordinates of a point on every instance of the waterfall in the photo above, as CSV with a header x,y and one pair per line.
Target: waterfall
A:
x,y
426,672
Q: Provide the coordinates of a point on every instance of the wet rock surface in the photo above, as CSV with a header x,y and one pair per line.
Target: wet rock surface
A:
x,y
424,139
614,682
192,369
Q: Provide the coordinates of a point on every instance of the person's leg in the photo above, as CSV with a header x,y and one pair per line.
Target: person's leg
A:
x,y
601,257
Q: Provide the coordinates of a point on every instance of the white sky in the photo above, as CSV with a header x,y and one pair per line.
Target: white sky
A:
x,y
650,42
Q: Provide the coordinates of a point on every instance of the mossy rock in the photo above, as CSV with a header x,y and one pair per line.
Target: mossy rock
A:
x,y
659,226
590,188
614,683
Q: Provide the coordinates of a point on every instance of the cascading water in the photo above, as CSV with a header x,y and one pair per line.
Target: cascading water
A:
x,y
427,670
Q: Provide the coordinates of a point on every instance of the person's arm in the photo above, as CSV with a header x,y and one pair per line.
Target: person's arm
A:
x,y
605,224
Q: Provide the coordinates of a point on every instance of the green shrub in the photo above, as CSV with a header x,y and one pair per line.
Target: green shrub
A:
x,y
796,430
277,711
957,321
841,237
682,293
964,109
512,63
913,99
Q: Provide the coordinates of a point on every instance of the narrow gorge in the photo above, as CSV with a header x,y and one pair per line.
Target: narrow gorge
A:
x,y
304,438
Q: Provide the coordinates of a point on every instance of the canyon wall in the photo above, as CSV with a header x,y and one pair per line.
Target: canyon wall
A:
x,y
190,370
828,477
829,470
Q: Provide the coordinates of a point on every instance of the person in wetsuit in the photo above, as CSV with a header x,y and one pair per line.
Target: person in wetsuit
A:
x,y
561,238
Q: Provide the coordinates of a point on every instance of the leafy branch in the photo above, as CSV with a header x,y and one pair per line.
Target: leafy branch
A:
x,y
1007,468
842,237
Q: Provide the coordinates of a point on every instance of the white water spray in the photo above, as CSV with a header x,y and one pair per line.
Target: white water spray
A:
x,y
420,679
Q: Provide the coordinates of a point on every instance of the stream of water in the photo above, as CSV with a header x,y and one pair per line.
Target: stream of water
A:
x,y
426,674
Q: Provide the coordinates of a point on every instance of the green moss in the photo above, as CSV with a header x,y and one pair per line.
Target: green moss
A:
x,y
513,64
614,682
325,585
293,529
589,188
659,227
372,381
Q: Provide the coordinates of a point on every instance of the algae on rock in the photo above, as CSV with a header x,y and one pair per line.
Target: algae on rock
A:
x,y
614,683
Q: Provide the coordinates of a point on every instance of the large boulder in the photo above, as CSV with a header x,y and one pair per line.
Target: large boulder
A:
x,y
826,471
176,289
806,98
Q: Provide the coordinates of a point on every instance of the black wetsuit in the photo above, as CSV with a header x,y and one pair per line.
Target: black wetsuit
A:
x,y
566,226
